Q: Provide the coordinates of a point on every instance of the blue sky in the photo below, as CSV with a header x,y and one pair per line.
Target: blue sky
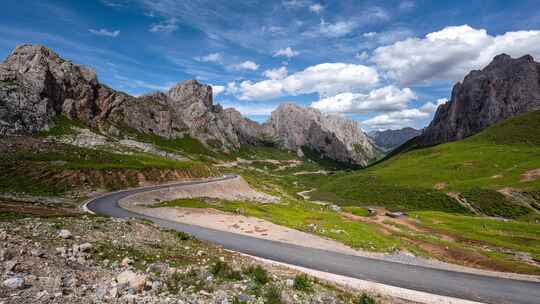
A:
x,y
386,64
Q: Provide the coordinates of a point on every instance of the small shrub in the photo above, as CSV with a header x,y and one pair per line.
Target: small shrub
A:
x,y
303,283
184,236
366,299
272,295
223,270
258,274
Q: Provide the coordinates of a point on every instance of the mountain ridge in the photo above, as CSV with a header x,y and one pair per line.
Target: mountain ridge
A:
x,y
504,88
36,85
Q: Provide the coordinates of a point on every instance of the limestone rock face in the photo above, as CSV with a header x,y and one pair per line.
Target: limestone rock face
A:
x,y
36,84
335,137
505,88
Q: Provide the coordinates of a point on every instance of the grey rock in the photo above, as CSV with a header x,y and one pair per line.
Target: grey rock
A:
x,y
10,265
505,88
14,283
5,255
65,234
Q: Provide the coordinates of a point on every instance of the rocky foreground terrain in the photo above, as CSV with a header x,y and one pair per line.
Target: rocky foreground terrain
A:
x,y
505,88
37,85
88,259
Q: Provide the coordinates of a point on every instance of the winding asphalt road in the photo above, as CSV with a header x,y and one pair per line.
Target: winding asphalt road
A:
x,y
441,282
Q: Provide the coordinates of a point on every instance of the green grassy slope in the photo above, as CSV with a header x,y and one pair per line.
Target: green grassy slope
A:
x,y
475,167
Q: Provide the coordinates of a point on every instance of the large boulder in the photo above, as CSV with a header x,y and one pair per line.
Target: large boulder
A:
x,y
505,88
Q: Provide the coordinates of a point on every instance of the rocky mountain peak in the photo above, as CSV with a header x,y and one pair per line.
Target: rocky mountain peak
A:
x,y
338,138
191,91
505,88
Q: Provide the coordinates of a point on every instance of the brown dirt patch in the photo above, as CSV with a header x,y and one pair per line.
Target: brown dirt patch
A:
x,y
440,186
530,175
10,209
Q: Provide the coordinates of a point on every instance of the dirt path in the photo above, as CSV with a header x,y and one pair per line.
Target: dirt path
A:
x,y
251,226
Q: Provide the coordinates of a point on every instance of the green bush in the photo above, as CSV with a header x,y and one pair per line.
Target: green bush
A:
x,y
366,299
303,283
258,274
223,270
272,295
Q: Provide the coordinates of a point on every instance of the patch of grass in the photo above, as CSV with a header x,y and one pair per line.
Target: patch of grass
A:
x,y
273,295
303,283
493,159
493,203
224,271
258,274
359,211
510,235
300,215
365,299
60,126
181,280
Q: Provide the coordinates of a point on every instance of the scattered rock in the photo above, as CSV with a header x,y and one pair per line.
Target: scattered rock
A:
x,y
65,234
14,283
126,262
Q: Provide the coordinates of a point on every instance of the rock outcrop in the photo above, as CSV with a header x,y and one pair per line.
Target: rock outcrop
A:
x,y
335,137
390,139
37,85
505,88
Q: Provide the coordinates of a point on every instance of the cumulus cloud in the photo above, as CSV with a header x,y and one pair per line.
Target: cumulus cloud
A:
x,y
362,56
213,57
338,29
218,89
105,32
324,79
276,74
286,52
450,53
403,118
316,8
247,65
389,98
168,26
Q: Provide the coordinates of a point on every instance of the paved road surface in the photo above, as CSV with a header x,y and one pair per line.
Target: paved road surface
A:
x,y
441,282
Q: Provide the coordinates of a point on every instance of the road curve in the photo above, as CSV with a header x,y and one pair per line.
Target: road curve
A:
x,y
441,282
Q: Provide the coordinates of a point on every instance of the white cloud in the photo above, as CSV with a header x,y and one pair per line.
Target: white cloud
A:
x,y
362,56
451,53
324,79
218,89
338,29
247,65
407,4
389,98
286,52
403,118
105,32
316,8
251,109
169,26
213,57
266,89
276,74
431,107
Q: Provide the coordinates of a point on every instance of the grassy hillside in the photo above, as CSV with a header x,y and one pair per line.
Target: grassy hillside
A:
x,y
501,156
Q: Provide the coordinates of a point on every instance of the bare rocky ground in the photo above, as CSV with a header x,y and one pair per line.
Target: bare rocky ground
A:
x,y
89,259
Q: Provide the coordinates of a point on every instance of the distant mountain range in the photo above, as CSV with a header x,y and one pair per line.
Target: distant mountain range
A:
x,y
37,85
390,139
